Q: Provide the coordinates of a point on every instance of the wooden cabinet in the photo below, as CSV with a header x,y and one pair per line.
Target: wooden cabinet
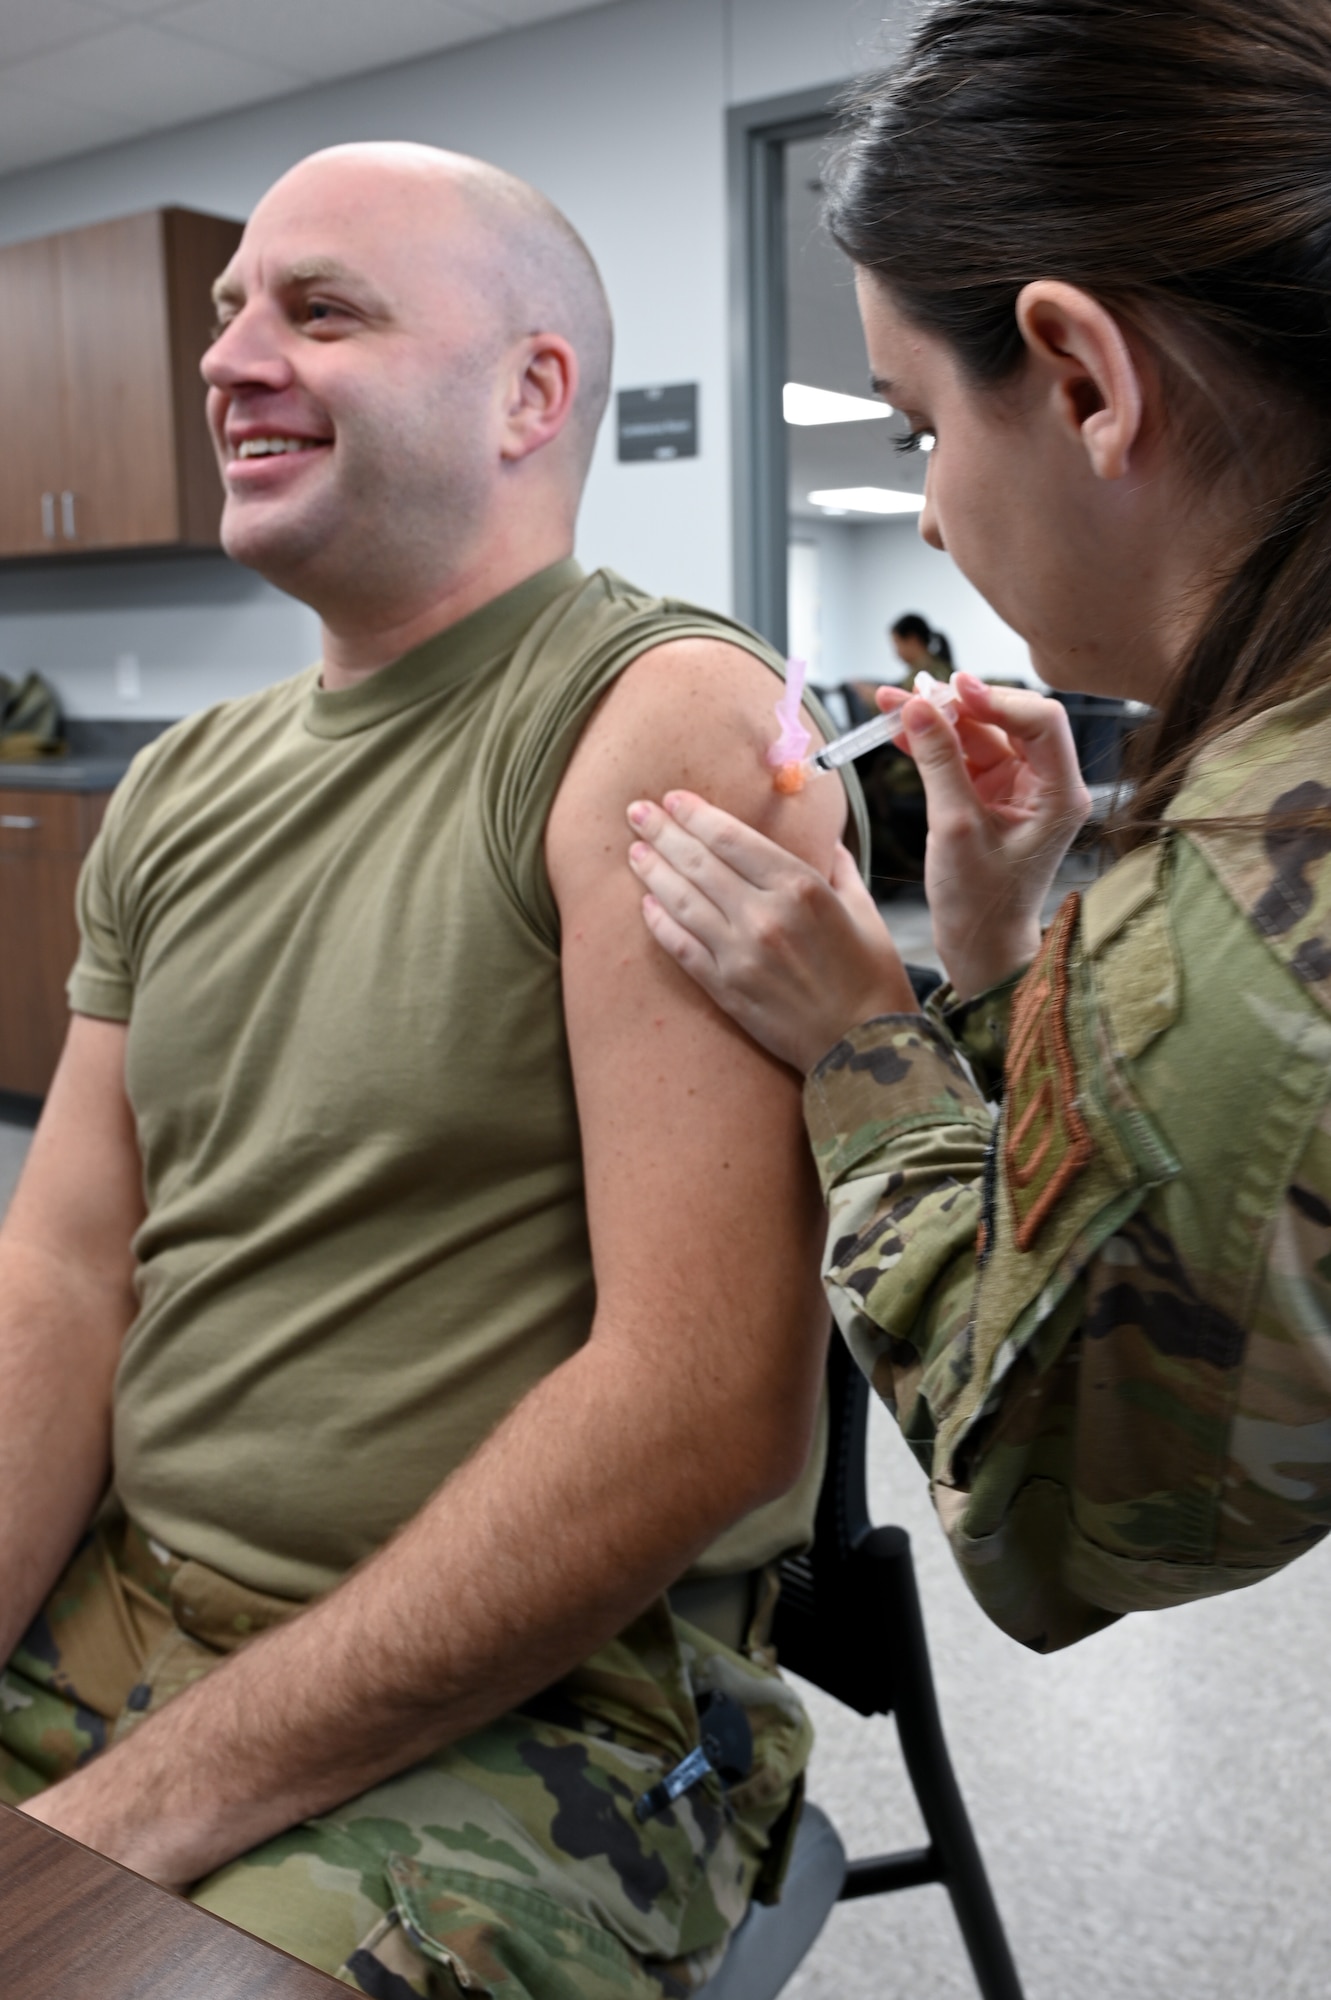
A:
x,y
43,839
101,334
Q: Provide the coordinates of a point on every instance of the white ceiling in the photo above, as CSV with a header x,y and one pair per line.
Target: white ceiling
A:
x,y
75,74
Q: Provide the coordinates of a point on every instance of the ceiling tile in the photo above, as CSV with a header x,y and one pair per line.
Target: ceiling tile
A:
x,y
34,128
150,76
31,27
75,74
329,38
133,10
524,13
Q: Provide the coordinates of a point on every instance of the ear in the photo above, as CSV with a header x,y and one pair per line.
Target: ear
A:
x,y
542,385
1093,380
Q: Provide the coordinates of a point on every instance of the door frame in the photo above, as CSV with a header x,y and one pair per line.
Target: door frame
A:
x,y
756,138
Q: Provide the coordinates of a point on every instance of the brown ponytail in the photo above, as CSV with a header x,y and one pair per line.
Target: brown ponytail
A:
x,y
1172,157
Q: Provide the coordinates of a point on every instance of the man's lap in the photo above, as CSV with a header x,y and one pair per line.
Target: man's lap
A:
x,y
514,1854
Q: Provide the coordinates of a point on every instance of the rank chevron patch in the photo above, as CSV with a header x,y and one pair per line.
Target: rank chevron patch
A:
x,y
1047,1143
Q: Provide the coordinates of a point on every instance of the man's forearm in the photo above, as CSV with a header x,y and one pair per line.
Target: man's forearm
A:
x,y
57,1360
548,1542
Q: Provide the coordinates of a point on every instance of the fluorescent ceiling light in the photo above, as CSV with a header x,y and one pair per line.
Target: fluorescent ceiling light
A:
x,y
866,500
803,405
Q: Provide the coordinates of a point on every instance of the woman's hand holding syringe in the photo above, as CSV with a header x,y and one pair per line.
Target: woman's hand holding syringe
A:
x,y
1005,799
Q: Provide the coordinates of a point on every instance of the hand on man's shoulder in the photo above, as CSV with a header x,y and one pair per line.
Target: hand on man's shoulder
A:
x,y
696,714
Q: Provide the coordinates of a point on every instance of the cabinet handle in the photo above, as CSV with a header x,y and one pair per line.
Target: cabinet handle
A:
x,y
48,516
19,822
68,520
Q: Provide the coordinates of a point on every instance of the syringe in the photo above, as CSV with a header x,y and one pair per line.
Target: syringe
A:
x,y
882,729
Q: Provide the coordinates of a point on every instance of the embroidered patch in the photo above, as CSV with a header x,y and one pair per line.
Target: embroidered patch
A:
x,y
1047,1143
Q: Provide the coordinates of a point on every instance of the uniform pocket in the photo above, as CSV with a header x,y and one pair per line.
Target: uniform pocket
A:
x,y
500,1941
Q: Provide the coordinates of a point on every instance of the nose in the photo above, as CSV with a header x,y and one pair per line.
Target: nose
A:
x,y
247,353
930,531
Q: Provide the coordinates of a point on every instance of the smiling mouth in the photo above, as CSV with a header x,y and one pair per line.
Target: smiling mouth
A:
x,y
276,447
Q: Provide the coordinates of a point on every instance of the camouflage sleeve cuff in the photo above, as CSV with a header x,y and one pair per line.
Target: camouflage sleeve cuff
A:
x,y
891,1075
979,1027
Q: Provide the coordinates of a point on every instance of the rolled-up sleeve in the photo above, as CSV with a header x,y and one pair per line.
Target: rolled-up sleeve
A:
x,y
101,982
901,1135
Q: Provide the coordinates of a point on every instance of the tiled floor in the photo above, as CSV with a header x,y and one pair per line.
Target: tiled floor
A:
x,y
1154,1805
1151,1805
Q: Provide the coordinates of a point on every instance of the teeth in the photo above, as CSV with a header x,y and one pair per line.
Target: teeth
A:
x,y
271,447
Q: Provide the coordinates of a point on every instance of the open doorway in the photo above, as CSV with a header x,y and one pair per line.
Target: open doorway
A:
x,y
827,506
827,500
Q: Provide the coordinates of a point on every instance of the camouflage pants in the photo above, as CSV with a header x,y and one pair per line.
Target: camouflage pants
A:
x,y
509,1864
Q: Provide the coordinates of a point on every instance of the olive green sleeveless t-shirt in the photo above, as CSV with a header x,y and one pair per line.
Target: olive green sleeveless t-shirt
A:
x,y
326,918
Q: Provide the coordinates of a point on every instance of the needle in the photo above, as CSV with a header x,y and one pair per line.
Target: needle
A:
x,y
882,729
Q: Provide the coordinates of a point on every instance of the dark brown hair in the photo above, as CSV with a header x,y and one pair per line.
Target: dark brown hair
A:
x,y
911,625
1173,158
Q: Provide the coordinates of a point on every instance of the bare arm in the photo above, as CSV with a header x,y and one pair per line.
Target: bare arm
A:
x,y
66,1299
691,1403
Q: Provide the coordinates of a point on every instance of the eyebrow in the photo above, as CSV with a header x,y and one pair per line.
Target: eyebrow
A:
x,y
305,271
881,387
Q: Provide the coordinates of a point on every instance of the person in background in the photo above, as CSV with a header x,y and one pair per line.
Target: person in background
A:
x,y
893,793
917,645
371,1290
1080,1210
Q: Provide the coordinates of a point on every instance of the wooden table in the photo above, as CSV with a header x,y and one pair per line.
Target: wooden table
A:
x,y
74,1926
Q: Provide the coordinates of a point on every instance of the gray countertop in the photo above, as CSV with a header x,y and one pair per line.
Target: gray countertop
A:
x,y
64,774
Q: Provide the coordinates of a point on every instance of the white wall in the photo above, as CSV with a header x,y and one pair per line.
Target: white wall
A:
x,y
618,115
872,573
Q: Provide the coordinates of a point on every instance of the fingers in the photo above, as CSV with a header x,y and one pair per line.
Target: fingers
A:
x,y
699,889
1039,725
706,845
889,698
687,950
849,885
985,745
936,748
680,899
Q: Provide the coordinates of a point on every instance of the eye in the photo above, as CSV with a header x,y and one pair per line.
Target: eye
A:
x,y
322,312
921,440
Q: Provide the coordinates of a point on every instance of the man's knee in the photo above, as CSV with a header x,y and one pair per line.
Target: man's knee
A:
x,y
298,1893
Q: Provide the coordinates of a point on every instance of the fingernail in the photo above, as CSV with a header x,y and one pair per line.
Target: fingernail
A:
x,y
929,720
673,801
638,813
640,852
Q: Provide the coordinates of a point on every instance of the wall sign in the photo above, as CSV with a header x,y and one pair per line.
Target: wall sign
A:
x,y
658,423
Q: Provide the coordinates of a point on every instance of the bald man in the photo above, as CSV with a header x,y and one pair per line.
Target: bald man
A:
x,y
410,1330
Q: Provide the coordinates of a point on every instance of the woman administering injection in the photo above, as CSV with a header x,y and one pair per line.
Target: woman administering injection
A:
x,y
1081,1210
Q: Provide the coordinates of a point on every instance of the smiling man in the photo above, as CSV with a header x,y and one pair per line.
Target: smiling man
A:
x,y
410,1331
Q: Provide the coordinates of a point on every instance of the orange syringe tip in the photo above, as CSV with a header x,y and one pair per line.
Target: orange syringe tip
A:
x,y
789,779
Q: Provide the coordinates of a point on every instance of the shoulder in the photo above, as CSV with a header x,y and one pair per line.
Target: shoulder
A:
x,y
695,711
181,768
193,741
1257,807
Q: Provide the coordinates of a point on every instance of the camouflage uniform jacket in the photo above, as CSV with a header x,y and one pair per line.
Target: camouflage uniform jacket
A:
x,y
1101,1309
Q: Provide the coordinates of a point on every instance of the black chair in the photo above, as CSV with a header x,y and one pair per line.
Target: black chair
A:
x,y
849,1621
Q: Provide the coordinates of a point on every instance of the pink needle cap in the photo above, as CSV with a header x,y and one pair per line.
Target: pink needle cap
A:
x,y
792,745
